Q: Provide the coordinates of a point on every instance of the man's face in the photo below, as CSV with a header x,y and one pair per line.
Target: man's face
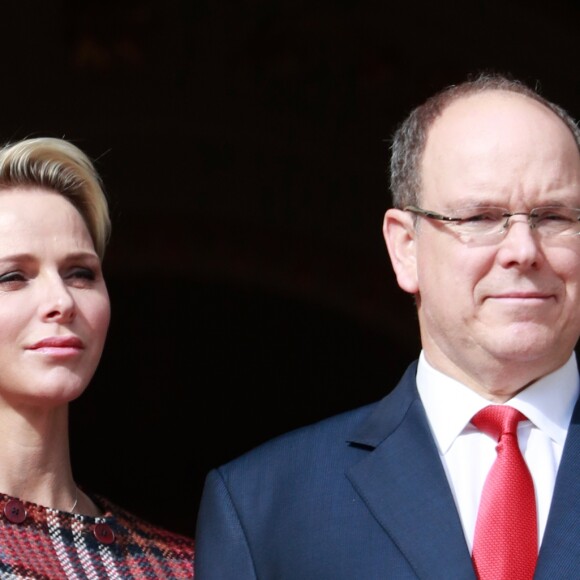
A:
x,y
515,300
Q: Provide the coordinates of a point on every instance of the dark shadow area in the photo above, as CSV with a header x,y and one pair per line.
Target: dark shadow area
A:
x,y
193,376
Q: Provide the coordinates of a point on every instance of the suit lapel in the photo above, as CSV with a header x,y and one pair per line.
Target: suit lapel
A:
x,y
403,484
560,550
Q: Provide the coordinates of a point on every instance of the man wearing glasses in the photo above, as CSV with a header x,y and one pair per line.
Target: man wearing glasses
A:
x,y
470,467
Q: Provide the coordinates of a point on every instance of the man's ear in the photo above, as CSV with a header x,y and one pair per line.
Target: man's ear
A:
x,y
400,237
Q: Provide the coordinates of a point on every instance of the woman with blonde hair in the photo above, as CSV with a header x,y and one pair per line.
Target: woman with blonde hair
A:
x,y
54,317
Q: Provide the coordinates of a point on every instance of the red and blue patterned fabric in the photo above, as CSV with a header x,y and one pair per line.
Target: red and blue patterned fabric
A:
x,y
47,544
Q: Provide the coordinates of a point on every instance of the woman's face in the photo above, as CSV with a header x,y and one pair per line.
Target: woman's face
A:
x,y
54,305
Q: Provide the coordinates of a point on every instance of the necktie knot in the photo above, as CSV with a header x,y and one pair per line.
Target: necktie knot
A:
x,y
498,420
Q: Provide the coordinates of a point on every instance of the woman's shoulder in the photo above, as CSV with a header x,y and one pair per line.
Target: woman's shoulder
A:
x,y
141,536
139,526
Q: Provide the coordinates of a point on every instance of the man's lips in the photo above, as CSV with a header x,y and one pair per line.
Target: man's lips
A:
x,y
521,295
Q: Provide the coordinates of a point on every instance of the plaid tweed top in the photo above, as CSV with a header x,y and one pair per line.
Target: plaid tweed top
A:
x,y
44,543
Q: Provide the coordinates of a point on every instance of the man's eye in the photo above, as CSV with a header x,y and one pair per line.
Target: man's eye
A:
x,y
484,216
552,216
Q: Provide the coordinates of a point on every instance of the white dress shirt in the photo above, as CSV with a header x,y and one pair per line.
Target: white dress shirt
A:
x,y
467,454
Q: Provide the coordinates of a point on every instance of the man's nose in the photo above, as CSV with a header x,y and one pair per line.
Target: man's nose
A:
x,y
518,217
520,245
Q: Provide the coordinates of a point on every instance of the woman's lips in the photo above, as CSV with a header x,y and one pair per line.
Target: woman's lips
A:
x,y
58,345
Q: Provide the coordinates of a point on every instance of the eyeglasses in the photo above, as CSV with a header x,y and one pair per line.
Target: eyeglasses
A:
x,y
479,222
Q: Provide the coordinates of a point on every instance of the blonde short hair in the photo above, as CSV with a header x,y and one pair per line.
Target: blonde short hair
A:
x,y
59,166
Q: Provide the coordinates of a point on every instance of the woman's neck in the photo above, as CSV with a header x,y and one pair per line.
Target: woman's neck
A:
x,y
34,456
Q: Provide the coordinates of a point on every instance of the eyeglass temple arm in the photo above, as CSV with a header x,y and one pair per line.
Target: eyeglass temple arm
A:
x,y
431,214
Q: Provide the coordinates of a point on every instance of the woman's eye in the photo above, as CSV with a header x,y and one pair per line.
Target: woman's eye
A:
x,y
11,277
84,273
10,280
81,277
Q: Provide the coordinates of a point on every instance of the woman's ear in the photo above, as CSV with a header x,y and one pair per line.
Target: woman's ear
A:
x,y
400,236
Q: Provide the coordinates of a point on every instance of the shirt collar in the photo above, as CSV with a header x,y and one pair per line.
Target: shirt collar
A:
x,y
450,405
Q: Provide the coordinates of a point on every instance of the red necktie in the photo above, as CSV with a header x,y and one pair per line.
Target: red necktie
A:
x,y
505,545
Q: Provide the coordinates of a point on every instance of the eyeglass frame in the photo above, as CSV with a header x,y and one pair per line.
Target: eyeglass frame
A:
x,y
418,211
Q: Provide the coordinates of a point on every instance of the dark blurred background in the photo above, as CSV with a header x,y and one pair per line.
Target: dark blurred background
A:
x,y
244,149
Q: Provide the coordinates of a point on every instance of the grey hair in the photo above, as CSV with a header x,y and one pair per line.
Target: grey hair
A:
x,y
59,166
410,138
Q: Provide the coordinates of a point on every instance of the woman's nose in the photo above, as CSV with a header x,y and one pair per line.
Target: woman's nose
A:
x,y
58,304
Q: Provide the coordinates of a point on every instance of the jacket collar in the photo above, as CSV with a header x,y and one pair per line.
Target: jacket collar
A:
x,y
403,484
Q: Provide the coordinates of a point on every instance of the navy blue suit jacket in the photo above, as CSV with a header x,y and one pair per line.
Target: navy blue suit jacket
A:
x,y
359,496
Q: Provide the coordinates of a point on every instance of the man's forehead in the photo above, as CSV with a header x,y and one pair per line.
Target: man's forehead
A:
x,y
496,120
492,103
